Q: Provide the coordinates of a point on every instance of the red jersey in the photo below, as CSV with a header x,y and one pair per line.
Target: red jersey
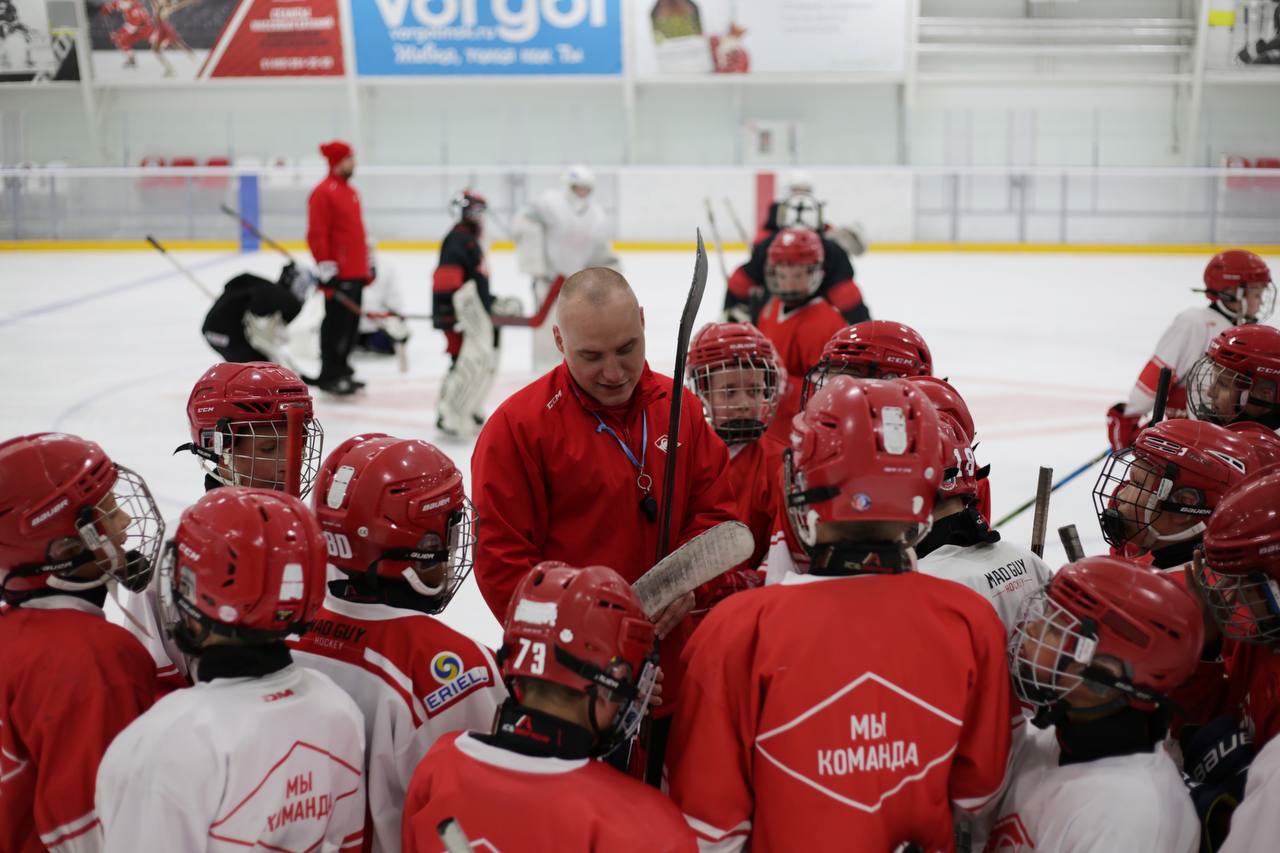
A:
x,y
135,14
550,484
828,709
414,678
71,681
799,337
504,800
335,228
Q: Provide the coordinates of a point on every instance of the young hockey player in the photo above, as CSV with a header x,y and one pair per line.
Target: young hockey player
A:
x,y
875,349
578,657
1238,286
961,546
1238,379
461,308
400,529
778,743
260,752
247,321
1155,497
734,370
1097,653
795,319
71,521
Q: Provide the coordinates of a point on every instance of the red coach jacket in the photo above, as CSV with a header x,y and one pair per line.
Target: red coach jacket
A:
x,y
549,484
335,228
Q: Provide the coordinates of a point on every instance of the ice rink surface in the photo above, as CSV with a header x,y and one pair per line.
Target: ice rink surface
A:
x,y
107,346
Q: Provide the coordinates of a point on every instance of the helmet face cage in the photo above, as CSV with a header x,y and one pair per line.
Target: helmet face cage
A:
x,y
739,397
458,558
626,724
1216,393
815,275
1132,492
1245,606
801,210
1235,303
828,367
1047,640
255,453
804,521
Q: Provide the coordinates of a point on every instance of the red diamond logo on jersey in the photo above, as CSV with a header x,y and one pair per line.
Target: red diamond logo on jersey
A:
x,y
1009,835
864,743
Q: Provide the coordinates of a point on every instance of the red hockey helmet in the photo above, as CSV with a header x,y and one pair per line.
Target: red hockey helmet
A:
x,y
872,349
468,205
1098,615
962,474
1178,467
583,629
244,563
63,506
863,450
1265,442
394,509
1238,378
238,419
734,370
793,269
1236,275
1241,575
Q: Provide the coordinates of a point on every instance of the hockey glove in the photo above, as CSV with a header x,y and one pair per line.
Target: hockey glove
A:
x,y
326,272
1122,429
1216,759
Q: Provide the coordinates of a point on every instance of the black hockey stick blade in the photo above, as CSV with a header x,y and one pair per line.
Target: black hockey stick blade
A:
x,y
690,313
253,229
1162,395
452,836
1040,519
1071,542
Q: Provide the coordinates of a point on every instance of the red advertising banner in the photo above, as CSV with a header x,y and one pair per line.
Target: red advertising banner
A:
x,y
279,38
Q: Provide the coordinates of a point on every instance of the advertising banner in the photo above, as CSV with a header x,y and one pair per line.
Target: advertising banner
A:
x,y
494,37
38,41
148,40
746,36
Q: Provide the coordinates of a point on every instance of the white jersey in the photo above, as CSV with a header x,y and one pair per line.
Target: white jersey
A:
x,y
1179,348
238,763
414,678
1255,825
573,234
1003,573
1123,802
140,615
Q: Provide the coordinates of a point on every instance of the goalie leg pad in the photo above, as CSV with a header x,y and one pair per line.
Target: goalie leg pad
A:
x,y
468,382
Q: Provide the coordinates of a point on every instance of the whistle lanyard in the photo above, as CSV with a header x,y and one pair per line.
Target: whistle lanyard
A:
x,y
643,480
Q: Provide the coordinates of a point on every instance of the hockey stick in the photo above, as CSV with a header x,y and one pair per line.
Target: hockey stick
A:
x,y
737,223
715,235
687,317
452,836
706,556
1041,518
155,244
1157,415
1071,542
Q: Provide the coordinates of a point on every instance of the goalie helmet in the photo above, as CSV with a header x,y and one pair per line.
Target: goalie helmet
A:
x,y
64,505
1231,277
962,472
394,510
468,206
1241,571
793,269
1238,378
1179,468
1099,615
863,450
245,563
580,175
801,210
734,370
583,629
238,419
872,349
797,181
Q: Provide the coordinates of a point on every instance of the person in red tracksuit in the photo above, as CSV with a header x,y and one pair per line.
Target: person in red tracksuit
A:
x,y
335,235
572,467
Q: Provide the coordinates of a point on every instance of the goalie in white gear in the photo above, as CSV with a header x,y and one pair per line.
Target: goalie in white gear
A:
x,y
563,230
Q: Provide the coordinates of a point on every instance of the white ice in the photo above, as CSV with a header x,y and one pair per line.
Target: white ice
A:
x,y
107,346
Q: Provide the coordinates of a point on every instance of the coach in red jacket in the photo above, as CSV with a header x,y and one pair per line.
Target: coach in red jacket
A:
x,y
335,235
572,467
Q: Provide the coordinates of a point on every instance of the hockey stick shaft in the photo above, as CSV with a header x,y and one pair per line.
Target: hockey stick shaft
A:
x,y
452,836
256,232
1162,395
1040,520
1071,542
687,317
1021,508
715,236
737,223
155,244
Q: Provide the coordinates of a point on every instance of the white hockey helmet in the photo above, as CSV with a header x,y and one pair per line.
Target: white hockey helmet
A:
x,y
579,175
796,181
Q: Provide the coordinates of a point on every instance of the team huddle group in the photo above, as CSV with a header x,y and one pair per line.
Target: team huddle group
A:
x,y
884,672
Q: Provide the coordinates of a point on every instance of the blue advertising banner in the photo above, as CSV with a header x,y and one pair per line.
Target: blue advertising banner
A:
x,y
498,37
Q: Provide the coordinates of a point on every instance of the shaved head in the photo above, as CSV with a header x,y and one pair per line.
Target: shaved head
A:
x,y
600,330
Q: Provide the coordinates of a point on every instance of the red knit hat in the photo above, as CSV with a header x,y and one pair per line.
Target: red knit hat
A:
x,y
335,152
